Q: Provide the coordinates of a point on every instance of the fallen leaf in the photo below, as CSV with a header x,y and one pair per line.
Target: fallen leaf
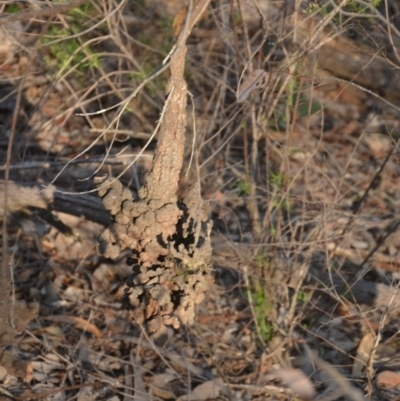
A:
x,y
204,391
161,393
364,351
42,370
388,380
79,322
162,379
6,393
257,79
297,381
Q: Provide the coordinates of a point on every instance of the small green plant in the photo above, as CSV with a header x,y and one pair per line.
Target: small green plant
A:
x,y
69,52
306,109
12,8
296,102
261,260
165,24
145,70
263,305
311,8
302,296
140,75
303,108
81,12
277,181
244,187
273,230
355,7
284,204
279,121
320,9
61,51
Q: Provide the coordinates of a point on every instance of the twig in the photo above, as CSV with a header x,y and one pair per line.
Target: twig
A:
x,y
45,394
111,161
45,12
345,387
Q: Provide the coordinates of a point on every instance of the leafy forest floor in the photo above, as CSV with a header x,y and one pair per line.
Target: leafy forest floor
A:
x,y
301,173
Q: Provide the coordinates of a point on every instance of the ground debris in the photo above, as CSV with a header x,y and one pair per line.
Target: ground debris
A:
x,y
14,317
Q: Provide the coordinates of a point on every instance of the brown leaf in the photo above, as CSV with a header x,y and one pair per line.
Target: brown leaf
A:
x,y
14,366
257,79
388,380
297,381
204,391
364,351
78,322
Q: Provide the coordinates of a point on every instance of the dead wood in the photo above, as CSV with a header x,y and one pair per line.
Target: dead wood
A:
x,y
25,197
348,59
21,196
86,205
361,291
169,238
371,66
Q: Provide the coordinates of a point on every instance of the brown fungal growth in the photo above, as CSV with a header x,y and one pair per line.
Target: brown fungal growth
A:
x,y
169,238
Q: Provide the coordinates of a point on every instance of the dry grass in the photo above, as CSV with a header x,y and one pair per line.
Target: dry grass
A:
x,y
302,179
